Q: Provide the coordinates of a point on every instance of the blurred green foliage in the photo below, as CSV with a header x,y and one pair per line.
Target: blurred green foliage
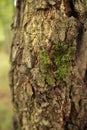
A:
x,y
5,121
6,12
4,64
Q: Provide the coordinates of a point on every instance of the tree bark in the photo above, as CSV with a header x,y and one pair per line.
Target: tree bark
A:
x,y
48,76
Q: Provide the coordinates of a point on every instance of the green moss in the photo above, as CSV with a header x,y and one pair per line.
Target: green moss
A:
x,y
44,57
45,67
63,56
50,79
45,61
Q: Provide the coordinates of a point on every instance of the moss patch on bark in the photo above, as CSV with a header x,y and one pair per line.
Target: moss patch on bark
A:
x,y
61,58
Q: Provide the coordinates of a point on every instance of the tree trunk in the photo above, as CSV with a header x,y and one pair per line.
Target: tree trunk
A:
x,y
48,76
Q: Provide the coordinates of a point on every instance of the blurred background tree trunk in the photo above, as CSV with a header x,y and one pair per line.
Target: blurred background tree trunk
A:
x,y
49,65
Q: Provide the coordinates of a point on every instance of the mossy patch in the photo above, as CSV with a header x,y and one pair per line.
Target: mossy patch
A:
x,y
45,67
63,57
45,61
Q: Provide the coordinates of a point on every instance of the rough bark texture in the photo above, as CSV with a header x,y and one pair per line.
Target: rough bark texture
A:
x,y
49,65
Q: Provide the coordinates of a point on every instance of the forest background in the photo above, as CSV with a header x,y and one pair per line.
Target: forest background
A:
x,y
6,16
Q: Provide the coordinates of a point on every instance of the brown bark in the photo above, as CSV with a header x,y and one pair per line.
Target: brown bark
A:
x,y
49,65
